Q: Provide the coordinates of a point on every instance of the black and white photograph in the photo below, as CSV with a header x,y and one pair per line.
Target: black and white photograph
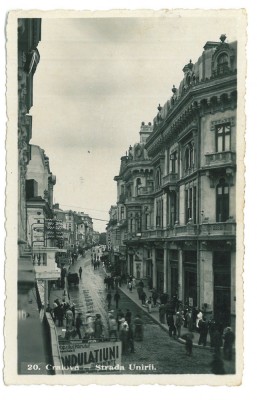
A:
x,y
125,148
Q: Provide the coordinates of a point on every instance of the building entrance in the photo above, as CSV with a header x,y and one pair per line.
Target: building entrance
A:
x,y
222,287
190,278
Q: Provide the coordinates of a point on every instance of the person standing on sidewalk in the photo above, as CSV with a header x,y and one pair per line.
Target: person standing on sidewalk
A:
x,y
203,330
229,338
78,325
149,305
117,298
109,300
143,297
179,323
80,272
162,312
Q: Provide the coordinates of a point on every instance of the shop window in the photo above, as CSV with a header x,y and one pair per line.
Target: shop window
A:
x,y
223,137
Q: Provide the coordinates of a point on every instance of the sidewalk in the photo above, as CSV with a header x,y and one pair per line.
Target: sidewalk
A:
x,y
154,315
59,294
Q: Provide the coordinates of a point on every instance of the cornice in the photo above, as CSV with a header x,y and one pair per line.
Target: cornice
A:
x,y
187,107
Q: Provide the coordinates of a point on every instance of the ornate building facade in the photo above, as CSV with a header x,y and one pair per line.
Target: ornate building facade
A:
x,y
179,200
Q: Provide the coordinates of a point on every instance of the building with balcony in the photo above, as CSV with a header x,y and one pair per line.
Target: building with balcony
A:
x,y
179,197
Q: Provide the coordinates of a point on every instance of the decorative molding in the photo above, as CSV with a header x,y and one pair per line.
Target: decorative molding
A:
x,y
230,120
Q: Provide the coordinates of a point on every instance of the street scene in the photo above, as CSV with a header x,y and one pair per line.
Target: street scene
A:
x,y
127,195
154,348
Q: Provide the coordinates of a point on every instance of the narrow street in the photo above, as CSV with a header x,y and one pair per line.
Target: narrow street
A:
x,y
157,348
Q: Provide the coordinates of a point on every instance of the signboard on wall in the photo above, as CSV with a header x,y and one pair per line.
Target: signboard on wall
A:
x,y
90,356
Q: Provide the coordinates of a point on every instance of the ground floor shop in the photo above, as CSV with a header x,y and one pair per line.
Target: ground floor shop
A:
x,y
200,274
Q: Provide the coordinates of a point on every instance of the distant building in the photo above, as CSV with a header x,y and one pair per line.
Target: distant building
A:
x,y
39,197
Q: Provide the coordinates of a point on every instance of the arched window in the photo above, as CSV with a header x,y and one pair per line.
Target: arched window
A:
x,y
222,201
222,64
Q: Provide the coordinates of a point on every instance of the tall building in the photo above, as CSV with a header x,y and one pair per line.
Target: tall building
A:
x,y
180,200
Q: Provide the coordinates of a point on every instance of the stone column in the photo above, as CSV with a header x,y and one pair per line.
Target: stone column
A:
x,y
165,268
206,281
180,275
154,268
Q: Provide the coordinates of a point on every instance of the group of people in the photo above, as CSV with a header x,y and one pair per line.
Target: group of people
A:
x,y
121,326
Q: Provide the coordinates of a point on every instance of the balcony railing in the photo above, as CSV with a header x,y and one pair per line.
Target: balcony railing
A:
x,y
218,229
144,190
170,179
225,157
185,230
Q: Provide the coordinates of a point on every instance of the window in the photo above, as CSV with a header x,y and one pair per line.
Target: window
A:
x,y
223,135
138,184
173,162
122,213
158,178
159,213
222,64
172,209
189,156
138,222
190,204
222,201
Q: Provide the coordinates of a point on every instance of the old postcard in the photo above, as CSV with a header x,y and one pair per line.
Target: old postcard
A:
x,y
125,195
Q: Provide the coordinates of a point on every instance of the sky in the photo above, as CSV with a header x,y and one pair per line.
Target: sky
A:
x,y
97,80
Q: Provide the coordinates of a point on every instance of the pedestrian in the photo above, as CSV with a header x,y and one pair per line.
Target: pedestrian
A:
x,y
138,328
69,319
98,326
72,307
171,325
109,300
130,286
203,330
117,298
143,297
131,339
141,284
89,326
120,315
198,319
149,305
128,316
124,336
154,297
139,292
80,272
113,327
229,338
217,340
212,328
78,325
162,312
178,323
189,345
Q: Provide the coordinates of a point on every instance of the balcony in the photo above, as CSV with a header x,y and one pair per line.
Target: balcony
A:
x,y
185,230
170,179
144,190
218,229
220,159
